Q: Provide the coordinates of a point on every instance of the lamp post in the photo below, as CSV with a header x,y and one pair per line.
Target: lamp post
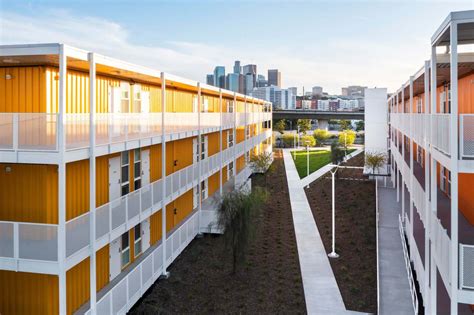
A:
x,y
333,253
345,145
307,161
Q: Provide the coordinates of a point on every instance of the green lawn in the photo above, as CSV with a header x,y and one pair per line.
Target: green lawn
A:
x,y
317,159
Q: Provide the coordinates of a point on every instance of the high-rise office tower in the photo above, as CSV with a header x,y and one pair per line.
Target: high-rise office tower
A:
x,y
294,90
219,76
232,82
274,77
237,67
317,90
210,79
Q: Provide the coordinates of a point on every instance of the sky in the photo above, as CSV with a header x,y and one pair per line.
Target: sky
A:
x,y
313,43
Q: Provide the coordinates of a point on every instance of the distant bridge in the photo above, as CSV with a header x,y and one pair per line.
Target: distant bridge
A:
x,y
314,114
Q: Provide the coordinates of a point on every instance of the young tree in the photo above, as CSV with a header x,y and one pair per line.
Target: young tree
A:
x,y
288,140
235,216
345,125
347,138
304,125
320,135
280,126
337,153
307,140
261,162
360,125
374,160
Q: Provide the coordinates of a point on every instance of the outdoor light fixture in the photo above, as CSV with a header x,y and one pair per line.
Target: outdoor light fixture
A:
x,y
8,169
175,162
8,76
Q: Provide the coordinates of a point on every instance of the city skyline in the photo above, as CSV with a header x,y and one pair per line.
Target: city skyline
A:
x,y
333,59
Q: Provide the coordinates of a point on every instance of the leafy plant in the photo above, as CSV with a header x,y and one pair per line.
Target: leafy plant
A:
x,y
307,140
360,125
337,153
375,160
235,216
345,125
347,138
288,140
280,126
304,125
320,135
261,162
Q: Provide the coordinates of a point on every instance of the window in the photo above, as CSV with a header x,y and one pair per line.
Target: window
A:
x,y
445,107
125,97
419,105
203,147
230,170
230,138
138,240
230,106
420,156
247,132
204,189
137,169
204,105
137,99
125,173
125,249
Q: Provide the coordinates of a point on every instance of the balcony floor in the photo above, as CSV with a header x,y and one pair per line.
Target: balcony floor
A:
x,y
466,230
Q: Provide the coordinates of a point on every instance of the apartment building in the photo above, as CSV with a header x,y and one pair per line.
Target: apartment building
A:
x,y
431,134
108,170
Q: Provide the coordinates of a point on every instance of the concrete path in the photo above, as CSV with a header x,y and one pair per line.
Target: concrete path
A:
x,y
323,170
395,295
321,292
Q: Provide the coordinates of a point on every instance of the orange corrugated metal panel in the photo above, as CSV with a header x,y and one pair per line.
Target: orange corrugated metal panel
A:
x,y
240,163
466,193
155,162
180,151
213,183
77,285
240,134
102,180
155,99
28,293
179,101
29,193
102,267
213,143
24,91
466,94
224,138
224,175
240,107
155,227
77,188
184,206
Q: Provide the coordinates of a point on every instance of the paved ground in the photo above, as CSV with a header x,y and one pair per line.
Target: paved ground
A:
x,y
395,295
322,294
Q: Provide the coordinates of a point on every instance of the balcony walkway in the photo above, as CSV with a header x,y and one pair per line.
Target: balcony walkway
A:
x,y
321,291
395,297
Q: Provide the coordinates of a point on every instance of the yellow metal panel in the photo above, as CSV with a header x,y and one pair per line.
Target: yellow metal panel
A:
x,y
155,227
77,188
213,143
77,285
224,175
102,267
224,138
28,293
155,162
240,163
240,134
213,183
28,193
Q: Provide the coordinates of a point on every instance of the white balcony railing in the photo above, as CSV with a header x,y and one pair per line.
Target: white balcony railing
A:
x,y
441,246
466,133
419,199
466,266
39,131
441,132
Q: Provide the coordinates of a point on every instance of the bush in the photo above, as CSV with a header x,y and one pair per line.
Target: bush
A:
x,y
288,140
347,137
304,125
320,135
337,153
307,140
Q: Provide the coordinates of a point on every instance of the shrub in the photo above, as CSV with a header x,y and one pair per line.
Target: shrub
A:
x,y
260,163
337,153
347,137
307,140
304,125
320,135
280,126
374,160
288,140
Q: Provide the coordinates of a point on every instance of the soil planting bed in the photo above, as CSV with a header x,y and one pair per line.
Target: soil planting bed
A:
x,y
356,268
268,283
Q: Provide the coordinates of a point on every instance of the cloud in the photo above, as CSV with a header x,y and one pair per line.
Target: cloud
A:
x,y
337,63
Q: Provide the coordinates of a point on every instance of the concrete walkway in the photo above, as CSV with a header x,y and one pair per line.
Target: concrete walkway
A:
x,y
395,295
321,292
323,170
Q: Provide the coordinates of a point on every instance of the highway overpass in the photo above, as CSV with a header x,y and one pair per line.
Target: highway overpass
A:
x,y
314,114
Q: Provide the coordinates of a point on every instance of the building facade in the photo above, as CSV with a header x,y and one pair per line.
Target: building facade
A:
x,y
108,171
431,151
219,76
280,98
274,77
317,90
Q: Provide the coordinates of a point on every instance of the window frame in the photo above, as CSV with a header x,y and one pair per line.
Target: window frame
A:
x,y
123,165
135,163
125,251
137,242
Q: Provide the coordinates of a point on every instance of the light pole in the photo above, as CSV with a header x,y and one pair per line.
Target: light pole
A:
x,y
307,161
333,253
345,145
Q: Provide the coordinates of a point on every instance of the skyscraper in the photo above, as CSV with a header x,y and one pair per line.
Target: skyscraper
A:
x,y
274,77
237,67
294,90
250,73
232,82
219,76
317,90
210,79
261,81
250,69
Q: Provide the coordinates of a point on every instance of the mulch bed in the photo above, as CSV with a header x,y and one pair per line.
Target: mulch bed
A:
x,y
356,268
269,282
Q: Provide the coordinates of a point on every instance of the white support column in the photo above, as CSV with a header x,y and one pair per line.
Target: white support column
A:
x,y
199,160
234,131
427,191
62,179
433,181
410,112
397,142
454,167
220,143
404,180
92,180
165,274
245,130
